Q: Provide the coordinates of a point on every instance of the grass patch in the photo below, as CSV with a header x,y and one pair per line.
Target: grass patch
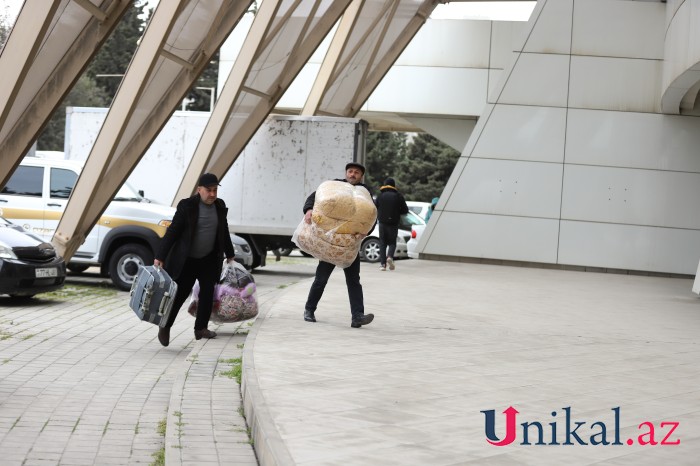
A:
x,y
162,424
4,335
158,458
78,291
235,371
27,337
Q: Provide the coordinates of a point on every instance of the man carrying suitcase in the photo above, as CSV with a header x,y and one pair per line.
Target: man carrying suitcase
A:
x,y
193,249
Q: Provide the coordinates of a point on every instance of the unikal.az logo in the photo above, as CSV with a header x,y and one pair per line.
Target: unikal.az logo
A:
x,y
575,432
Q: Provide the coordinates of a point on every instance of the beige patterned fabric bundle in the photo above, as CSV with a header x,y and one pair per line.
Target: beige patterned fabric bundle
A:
x,y
340,249
340,211
344,208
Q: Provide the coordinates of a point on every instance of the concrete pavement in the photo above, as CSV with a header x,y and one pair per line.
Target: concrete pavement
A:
x,y
452,342
83,382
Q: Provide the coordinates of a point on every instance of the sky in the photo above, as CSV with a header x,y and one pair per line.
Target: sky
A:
x,y
503,11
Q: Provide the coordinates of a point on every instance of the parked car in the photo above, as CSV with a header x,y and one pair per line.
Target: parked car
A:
x,y
244,255
125,236
418,208
416,231
370,246
28,265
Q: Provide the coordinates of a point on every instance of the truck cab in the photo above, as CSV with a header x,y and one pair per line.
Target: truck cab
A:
x,y
125,236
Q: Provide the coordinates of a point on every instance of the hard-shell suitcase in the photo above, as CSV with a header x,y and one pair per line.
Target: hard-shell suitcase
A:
x,y
152,295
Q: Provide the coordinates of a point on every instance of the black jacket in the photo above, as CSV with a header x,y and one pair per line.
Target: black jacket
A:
x,y
311,200
390,206
176,244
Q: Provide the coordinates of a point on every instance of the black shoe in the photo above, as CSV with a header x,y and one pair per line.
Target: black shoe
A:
x,y
309,316
204,333
364,320
164,336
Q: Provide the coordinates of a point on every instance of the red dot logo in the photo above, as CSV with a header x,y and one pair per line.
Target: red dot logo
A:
x,y
630,441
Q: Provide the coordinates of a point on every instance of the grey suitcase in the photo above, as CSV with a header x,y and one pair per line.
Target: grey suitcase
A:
x,y
152,295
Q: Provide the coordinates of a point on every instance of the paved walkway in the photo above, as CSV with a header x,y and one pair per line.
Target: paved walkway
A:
x,y
450,341
83,382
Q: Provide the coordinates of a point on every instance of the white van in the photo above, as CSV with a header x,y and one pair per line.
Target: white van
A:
x,y
126,235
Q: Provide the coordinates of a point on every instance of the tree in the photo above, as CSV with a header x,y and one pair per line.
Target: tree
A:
x,y
203,92
98,85
111,62
420,167
5,27
386,152
85,93
427,167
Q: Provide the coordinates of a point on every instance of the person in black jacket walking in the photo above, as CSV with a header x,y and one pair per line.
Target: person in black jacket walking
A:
x,y
353,174
390,206
192,249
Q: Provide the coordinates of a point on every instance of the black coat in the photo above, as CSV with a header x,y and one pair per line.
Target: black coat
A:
x,y
390,206
177,242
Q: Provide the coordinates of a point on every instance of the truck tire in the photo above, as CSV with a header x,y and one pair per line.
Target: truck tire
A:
x,y
124,264
77,268
370,250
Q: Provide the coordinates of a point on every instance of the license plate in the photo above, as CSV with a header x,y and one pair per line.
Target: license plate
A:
x,y
42,273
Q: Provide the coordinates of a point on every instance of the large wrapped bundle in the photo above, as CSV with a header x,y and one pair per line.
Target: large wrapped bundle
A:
x,y
339,249
344,208
234,296
341,211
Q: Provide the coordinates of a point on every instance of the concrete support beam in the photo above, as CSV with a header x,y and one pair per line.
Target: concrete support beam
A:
x,y
150,93
349,75
22,125
278,45
16,60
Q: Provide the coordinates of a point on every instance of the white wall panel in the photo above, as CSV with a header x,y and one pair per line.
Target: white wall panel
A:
x,y
495,84
453,180
538,79
507,187
494,237
440,91
520,132
636,140
629,85
552,31
504,35
453,132
640,197
472,37
626,29
629,247
297,93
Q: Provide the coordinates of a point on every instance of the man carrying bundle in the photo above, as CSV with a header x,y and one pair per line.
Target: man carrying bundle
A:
x,y
353,175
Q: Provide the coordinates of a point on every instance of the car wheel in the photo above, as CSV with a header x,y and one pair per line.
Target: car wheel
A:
x,y
370,250
77,268
124,264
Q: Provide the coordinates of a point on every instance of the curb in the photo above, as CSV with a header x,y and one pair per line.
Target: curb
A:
x,y
269,446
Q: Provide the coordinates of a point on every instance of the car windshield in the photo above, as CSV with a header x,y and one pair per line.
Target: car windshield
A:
x,y
410,219
127,193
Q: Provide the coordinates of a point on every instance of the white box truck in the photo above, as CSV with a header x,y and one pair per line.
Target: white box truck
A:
x,y
265,189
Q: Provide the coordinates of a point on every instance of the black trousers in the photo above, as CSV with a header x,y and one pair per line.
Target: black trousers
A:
x,y
205,271
387,237
352,279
